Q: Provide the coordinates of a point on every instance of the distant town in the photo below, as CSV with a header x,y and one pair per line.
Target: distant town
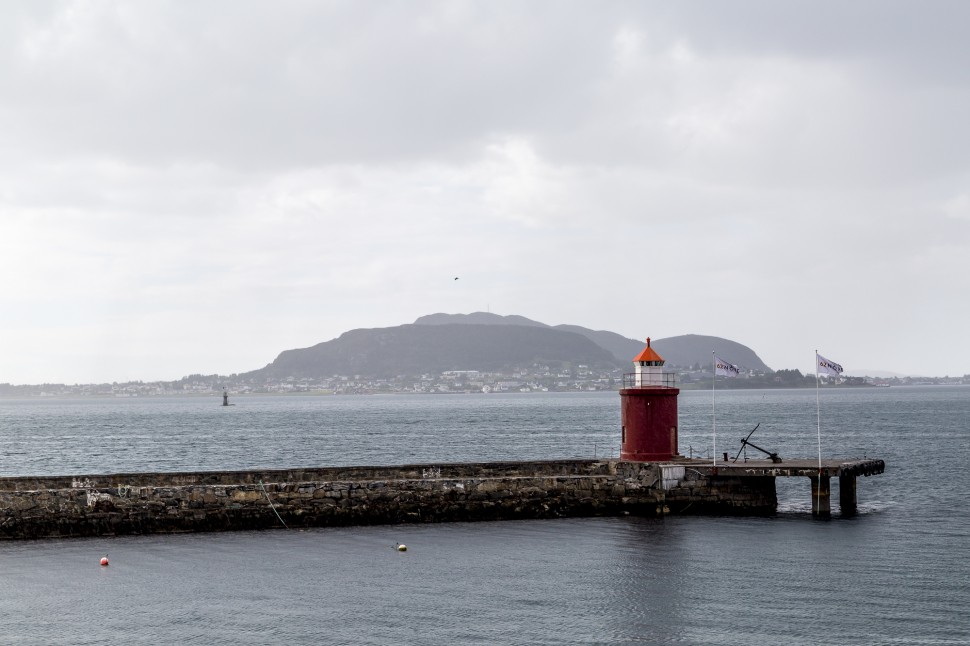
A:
x,y
533,378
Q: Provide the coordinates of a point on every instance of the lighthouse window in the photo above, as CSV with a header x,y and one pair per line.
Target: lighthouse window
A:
x,y
624,434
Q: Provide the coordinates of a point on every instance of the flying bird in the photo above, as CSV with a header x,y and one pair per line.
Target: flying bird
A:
x,y
456,277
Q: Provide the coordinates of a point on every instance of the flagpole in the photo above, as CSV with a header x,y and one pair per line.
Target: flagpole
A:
x,y
818,417
713,407
818,423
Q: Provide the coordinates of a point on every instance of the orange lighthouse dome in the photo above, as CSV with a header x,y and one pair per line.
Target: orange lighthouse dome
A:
x,y
649,356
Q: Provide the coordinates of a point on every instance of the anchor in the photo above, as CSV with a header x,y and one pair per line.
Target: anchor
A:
x,y
774,456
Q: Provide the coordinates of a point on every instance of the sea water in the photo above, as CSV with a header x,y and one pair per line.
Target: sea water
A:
x,y
897,573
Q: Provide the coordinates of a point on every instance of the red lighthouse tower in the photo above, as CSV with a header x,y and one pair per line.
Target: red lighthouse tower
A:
x,y
648,404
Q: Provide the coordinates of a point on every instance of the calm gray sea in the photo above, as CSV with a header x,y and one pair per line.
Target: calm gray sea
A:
x,y
898,573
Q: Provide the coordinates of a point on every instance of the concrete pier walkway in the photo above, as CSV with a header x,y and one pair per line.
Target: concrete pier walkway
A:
x,y
845,470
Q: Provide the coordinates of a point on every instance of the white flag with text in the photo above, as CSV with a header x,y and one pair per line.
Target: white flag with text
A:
x,y
827,367
724,369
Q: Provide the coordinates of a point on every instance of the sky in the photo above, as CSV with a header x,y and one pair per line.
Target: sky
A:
x,y
194,187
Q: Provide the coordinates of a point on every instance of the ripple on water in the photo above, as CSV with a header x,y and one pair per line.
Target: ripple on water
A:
x,y
896,573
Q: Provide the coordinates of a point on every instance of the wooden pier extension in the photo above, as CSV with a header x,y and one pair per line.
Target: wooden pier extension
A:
x,y
845,470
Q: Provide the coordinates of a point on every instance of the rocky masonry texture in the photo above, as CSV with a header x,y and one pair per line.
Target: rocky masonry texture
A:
x,y
143,503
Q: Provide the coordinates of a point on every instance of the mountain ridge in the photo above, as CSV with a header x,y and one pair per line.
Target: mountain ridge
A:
x,y
421,349
684,350
487,342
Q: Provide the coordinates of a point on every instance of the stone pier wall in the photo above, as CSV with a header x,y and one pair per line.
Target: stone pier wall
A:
x,y
143,503
684,488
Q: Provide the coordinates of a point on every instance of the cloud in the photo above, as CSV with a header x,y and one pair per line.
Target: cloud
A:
x,y
958,207
196,187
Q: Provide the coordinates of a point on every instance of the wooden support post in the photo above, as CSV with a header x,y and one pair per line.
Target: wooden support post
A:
x,y
821,492
847,495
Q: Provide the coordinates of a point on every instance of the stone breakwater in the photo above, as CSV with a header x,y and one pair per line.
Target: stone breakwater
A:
x,y
145,503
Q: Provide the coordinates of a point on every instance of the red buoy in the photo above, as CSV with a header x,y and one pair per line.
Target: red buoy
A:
x,y
104,560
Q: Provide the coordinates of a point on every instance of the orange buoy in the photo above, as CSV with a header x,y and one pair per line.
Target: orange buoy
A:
x,y
104,560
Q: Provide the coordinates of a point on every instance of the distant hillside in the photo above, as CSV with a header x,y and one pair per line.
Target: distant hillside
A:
x,y
691,349
477,318
622,348
488,342
420,349
684,351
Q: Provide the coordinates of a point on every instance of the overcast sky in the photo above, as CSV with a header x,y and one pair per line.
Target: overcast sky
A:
x,y
196,186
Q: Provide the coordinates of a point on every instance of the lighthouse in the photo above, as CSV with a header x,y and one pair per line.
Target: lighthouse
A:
x,y
648,407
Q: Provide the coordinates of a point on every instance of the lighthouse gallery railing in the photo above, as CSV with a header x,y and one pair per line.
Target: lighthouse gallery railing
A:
x,y
663,380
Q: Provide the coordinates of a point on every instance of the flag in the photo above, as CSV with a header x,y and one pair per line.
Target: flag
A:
x,y
827,367
725,369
